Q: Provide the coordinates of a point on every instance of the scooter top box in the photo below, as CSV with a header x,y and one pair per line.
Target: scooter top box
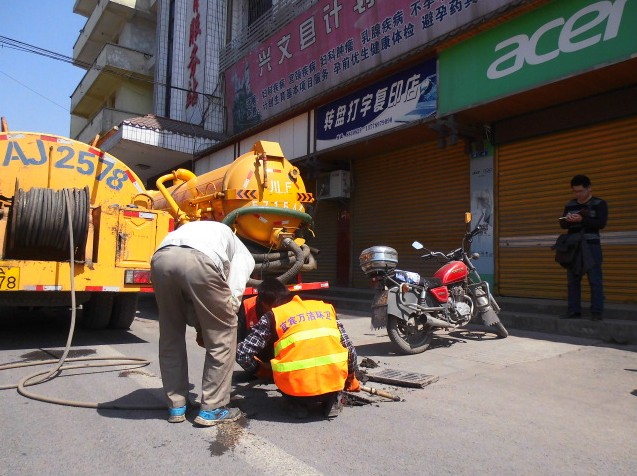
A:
x,y
378,259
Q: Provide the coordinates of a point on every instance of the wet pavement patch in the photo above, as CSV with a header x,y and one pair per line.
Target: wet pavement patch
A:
x,y
56,354
228,436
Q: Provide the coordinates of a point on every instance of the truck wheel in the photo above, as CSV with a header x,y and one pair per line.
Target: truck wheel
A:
x,y
124,310
97,311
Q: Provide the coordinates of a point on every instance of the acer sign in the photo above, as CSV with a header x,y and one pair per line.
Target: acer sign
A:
x,y
561,39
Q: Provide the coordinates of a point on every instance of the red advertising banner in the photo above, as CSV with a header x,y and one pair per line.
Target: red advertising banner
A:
x,y
195,51
335,41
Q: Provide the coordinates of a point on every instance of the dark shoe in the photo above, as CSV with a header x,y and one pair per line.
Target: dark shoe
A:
x,y
333,405
571,315
596,316
219,415
177,414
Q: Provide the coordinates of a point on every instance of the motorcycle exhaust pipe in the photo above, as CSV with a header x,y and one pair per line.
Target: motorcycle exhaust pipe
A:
x,y
432,321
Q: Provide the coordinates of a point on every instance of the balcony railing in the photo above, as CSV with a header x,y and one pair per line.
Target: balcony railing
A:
x,y
281,13
101,123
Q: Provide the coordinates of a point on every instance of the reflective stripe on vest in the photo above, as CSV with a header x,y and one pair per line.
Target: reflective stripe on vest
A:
x,y
309,356
313,362
304,335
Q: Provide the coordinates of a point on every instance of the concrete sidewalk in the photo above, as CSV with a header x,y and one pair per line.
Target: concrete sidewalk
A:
x,y
541,315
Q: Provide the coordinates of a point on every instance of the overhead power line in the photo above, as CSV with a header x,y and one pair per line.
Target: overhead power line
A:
x,y
34,91
26,47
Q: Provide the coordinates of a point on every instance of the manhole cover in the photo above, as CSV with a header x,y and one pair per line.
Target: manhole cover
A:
x,y
402,378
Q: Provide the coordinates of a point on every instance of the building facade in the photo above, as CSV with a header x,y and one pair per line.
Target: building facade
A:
x,y
403,115
114,105
407,114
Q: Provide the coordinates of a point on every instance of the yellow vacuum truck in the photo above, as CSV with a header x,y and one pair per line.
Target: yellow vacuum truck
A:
x,y
75,219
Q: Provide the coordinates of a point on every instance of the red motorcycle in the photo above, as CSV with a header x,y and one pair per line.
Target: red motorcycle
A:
x,y
412,307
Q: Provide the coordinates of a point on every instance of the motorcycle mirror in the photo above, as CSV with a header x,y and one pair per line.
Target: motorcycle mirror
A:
x,y
467,217
418,245
475,255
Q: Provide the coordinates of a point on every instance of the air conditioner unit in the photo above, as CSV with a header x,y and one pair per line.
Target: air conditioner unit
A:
x,y
333,185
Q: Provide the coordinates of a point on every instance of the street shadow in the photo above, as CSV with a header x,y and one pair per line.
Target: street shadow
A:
x,y
264,402
261,400
388,349
152,403
42,328
472,333
570,339
147,307
257,399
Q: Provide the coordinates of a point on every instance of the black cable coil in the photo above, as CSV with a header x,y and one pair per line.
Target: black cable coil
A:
x,y
38,224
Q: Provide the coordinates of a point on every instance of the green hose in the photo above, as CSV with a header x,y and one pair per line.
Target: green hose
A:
x,y
232,216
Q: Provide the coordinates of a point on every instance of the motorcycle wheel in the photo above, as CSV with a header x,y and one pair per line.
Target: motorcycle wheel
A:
x,y
499,329
407,340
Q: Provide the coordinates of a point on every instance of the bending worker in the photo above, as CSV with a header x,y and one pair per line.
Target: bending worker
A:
x,y
199,273
313,357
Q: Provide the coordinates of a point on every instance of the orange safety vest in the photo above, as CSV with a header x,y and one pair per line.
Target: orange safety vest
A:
x,y
309,358
250,308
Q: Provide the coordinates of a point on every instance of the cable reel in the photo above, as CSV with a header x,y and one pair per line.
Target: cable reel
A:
x,y
38,224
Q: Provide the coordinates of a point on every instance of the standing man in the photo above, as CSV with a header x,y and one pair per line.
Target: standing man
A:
x,y
586,214
199,273
313,357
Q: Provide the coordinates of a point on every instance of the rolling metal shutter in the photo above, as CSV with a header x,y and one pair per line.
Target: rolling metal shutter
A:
x,y
417,193
326,229
533,186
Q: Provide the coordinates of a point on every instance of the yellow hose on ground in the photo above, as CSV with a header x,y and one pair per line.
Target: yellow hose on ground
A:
x,y
59,367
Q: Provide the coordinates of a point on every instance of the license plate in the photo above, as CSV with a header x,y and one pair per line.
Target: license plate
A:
x,y
9,278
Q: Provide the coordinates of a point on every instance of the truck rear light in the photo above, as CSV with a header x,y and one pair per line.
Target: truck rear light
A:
x,y
137,276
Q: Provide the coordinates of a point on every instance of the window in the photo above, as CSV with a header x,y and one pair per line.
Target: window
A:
x,y
256,9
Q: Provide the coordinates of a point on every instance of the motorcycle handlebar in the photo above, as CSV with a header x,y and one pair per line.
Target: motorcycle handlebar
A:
x,y
458,253
477,230
433,254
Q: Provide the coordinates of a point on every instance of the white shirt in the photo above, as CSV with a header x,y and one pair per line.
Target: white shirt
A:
x,y
221,245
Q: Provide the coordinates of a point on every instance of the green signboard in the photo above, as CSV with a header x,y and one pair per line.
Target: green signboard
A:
x,y
563,38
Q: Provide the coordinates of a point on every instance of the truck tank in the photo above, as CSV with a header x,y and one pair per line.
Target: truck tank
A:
x,y
53,188
261,195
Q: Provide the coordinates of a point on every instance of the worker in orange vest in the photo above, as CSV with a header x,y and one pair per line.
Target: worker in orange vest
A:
x,y
313,358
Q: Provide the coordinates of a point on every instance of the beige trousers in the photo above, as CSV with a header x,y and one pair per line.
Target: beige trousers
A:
x,y
190,291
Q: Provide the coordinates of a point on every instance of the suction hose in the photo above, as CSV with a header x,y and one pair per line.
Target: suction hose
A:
x,y
44,376
299,260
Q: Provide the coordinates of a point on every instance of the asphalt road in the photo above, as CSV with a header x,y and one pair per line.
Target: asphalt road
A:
x,y
526,405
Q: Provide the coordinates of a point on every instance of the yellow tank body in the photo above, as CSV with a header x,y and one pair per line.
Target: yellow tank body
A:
x,y
260,194
115,229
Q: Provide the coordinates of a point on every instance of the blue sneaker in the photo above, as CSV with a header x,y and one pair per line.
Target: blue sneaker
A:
x,y
219,415
177,414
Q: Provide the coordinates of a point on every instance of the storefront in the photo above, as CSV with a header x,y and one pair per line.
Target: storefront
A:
x,y
568,68
534,176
